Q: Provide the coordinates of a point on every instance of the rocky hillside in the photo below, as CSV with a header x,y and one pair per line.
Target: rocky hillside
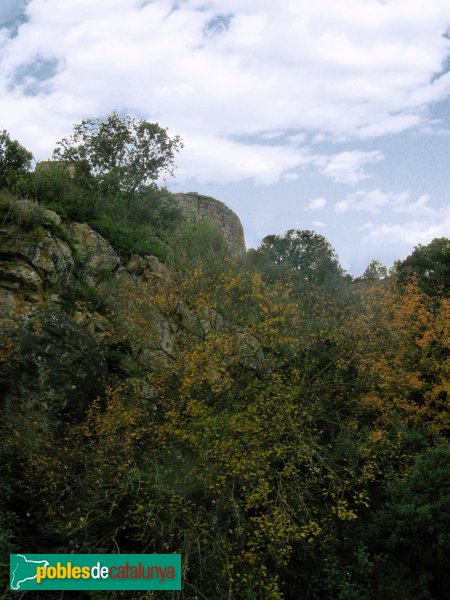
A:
x,y
60,345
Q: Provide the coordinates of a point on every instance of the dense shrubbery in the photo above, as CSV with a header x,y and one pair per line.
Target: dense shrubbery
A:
x,y
292,443
300,454
70,195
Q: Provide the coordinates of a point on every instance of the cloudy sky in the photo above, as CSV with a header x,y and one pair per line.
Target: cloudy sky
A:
x,y
332,116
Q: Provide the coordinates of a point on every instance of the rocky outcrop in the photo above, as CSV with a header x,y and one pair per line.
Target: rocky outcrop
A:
x,y
50,364
198,324
196,206
54,367
59,347
143,265
33,261
97,252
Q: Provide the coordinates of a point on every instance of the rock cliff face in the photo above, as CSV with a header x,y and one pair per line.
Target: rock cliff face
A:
x,y
33,261
58,344
49,364
204,207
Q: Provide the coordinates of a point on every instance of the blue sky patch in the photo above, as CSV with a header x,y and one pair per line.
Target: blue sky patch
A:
x,y
12,15
34,76
217,25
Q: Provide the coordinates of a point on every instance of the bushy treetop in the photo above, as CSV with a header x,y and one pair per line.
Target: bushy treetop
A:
x,y
430,264
15,160
306,254
124,154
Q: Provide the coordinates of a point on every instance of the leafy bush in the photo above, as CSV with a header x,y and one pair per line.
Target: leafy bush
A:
x,y
151,206
80,291
135,225
303,252
26,213
53,185
128,239
154,205
101,176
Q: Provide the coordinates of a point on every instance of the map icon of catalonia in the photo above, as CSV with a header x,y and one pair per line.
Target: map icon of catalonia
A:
x,y
23,569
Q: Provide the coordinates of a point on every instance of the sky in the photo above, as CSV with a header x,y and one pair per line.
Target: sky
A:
x,y
332,116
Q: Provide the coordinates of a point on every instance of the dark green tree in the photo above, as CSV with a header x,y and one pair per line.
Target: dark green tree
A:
x,y
431,265
123,154
412,529
303,254
15,160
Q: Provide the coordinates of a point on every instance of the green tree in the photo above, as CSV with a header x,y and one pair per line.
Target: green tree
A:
x,y
123,154
304,255
15,160
375,271
412,529
431,264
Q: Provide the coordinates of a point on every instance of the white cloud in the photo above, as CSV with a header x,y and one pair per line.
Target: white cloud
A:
x,y
271,135
316,204
299,138
210,159
374,201
319,138
410,233
347,167
389,125
422,224
290,176
319,224
358,71
368,226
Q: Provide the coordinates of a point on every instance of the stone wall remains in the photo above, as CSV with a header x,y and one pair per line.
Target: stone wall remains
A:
x,y
203,207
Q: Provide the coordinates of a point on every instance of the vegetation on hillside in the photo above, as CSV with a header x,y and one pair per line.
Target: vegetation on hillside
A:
x,y
105,174
292,444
